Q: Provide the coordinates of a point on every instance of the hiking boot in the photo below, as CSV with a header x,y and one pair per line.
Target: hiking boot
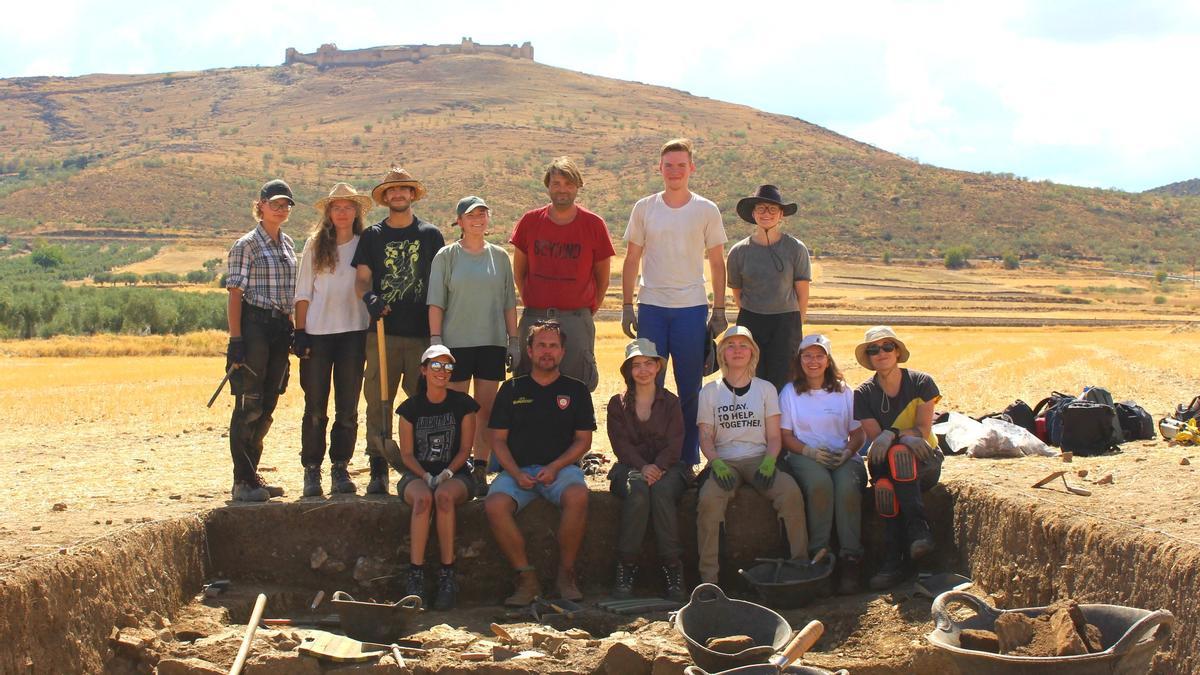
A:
x,y
479,477
447,590
673,575
415,585
379,477
272,490
339,480
623,587
889,575
567,588
245,491
312,481
528,588
920,540
848,575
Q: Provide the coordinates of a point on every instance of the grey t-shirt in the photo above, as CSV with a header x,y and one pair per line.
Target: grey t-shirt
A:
x,y
474,290
767,275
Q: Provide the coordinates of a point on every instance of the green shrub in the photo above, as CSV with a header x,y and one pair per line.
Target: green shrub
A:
x,y
1011,261
1160,300
956,257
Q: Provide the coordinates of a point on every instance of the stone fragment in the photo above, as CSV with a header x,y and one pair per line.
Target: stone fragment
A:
x,y
1082,473
369,570
577,634
622,659
318,558
1184,461
670,662
731,644
59,506
979,640
1066,639
502,653
192,666
1013,630
1106,479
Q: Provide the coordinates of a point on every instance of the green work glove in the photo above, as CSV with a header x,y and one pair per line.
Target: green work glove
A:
x,y
722,474
766,473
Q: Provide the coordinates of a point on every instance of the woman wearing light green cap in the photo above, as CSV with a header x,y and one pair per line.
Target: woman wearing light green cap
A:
x,y
645,428
473,311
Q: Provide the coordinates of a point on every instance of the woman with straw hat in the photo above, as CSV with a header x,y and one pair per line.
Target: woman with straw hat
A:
x,y
769,273
896,408
645,428
739,435
823,438
330,337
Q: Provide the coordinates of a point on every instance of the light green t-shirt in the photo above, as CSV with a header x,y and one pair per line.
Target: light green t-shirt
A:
x,y
474,290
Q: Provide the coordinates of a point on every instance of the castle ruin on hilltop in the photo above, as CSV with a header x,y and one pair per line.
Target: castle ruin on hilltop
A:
x,y
328,55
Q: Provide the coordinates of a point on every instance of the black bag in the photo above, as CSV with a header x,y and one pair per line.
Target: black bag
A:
x,y
1136,423
1085,428
1019,413
1184,413
1050,409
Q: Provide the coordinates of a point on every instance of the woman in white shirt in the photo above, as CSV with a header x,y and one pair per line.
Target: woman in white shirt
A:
x,y
330,338
823,438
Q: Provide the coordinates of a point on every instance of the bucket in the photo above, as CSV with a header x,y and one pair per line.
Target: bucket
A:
x,y
787,584
1130,638
711,614
375,622
765,669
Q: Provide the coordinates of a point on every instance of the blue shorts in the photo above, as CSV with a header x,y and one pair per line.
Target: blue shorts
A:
x,y
504,484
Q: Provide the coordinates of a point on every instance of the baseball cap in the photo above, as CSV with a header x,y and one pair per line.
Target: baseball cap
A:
x,y
470,203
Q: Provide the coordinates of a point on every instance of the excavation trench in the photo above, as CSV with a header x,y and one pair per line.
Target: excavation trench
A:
x,y
134,603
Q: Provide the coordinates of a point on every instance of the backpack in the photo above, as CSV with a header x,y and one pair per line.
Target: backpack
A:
x,y
1102,396
1136,423
1048,410
1086,428
1019,413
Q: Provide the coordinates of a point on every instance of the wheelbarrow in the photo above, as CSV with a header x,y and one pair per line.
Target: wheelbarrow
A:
x,y
376,622
1130,638
711,614
788,584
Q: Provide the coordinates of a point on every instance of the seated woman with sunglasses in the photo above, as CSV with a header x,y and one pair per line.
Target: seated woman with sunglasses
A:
x,y
436,429
895,408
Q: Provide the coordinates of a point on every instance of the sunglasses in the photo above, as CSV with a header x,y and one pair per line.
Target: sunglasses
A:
x,y
438,365
874,350
279,205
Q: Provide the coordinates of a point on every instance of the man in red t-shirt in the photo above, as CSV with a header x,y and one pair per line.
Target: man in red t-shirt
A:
x,y
561,266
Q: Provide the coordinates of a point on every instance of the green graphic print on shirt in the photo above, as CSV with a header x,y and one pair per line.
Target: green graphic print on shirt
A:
x,y
402,279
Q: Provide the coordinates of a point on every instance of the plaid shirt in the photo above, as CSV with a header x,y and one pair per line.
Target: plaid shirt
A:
x,y
264,270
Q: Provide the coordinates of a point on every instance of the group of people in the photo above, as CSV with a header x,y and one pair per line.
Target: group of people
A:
x,y
780,419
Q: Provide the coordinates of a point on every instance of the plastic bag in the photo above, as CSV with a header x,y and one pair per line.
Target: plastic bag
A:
x,y
992,438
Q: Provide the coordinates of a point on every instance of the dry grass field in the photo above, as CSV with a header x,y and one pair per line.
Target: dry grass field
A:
x,y
179,258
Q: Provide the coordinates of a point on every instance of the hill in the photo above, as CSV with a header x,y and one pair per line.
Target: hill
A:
x,y
1184,188
183,154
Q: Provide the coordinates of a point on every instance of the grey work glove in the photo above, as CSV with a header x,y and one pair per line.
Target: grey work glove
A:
x,y
877,453
919,446
430,480
444,476
717,323
513,356
629,321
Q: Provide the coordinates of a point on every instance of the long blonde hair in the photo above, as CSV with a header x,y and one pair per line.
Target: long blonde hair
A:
x,y
323,237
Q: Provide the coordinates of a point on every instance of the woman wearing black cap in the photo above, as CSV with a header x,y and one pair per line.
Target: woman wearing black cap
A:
x,y
261,279
769,273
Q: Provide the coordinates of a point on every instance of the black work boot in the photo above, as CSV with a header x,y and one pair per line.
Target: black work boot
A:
x,y
415,585
848,575
889,575
339,480
920,539
379,477
673,575
447,590
623,586
312,481
272,490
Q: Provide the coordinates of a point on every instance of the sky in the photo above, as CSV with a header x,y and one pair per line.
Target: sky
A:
x,y
1093,93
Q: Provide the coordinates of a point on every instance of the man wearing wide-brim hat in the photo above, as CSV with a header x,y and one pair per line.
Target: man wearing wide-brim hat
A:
x,y
769,273
392,263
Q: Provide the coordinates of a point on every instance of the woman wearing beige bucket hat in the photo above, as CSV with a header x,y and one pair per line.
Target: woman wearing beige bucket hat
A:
x,y
330,338
895,408
740,436
645,428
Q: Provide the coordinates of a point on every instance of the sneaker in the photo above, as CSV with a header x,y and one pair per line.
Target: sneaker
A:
x,y
339,480
848,575
623,587
889,575
245,491
312,481
567,588
379,477
447,590
673,575
479,477
272,490
415,585
528,588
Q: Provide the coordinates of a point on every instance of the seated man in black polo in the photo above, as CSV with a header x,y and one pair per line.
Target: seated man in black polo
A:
x,y
542,425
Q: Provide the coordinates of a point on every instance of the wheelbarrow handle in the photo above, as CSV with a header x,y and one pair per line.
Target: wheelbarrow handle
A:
x,y
941,615
342,596
708,593
410,602
1145,626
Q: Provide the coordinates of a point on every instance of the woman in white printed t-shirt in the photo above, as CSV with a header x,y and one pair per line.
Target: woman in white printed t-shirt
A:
x,y
823,439
738,421
330,337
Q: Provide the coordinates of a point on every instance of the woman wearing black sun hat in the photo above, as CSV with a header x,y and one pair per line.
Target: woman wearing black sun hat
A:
x,y
769,273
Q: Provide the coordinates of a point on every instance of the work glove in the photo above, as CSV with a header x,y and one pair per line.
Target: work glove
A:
x,y
629,321
435,340
431,480
765,475
513,358
235,354
919,446
877,453
722,474
375,304
717,323
444,476
301,343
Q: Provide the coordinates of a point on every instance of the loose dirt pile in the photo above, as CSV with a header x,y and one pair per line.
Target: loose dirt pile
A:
x,y
1061,631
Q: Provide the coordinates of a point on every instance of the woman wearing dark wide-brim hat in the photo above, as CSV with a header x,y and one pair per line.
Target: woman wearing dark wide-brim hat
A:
x,y
769,273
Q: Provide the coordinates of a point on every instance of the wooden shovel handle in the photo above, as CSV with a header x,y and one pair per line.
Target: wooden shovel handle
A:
x,y
803,641
244,651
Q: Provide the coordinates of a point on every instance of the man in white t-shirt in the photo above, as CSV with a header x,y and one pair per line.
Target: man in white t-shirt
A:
x,y
673,231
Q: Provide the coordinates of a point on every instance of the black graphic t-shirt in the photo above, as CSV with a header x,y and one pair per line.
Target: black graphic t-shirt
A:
x,y
542,421
400,258
437,427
